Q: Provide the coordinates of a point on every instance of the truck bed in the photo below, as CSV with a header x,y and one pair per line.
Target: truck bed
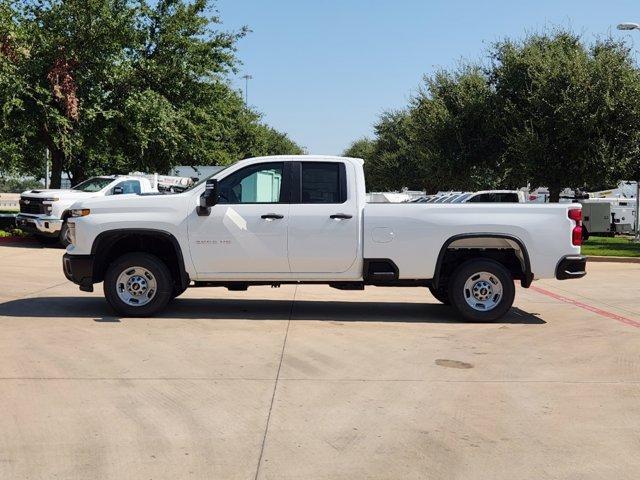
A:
x,y
413,234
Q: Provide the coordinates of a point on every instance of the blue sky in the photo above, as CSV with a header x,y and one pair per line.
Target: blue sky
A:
x,y
323,71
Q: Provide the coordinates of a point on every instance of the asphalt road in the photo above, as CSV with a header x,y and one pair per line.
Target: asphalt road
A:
x,y
314,383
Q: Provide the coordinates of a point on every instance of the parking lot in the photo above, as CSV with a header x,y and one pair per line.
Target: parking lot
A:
x,y
309,382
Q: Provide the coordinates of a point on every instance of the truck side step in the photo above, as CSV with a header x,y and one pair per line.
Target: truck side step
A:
x,y
347,285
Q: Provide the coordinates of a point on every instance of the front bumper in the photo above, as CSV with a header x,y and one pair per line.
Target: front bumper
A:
x,y
571,266
42,225
79,269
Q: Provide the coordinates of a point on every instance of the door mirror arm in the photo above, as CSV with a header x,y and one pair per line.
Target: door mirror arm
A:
x,y
209,198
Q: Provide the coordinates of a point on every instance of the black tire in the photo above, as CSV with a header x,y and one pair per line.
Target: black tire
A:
x,y
177,291
159,271
441,294
458,295
64,239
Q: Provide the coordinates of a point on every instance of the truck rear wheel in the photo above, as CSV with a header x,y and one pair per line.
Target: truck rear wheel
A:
x,y
482,290
138,285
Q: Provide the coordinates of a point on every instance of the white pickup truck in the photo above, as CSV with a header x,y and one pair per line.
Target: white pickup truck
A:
x,y
304,219
45,212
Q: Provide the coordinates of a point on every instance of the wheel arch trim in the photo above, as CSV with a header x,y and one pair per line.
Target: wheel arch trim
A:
x,y
525,262
105,240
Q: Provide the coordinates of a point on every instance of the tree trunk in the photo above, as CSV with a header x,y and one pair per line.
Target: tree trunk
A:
x,y
57,162
78,175
554,194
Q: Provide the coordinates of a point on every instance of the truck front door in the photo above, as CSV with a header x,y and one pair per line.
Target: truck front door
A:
x,y
246,232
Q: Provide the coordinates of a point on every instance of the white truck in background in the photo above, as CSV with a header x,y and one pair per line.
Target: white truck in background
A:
x,y
304,219
44,212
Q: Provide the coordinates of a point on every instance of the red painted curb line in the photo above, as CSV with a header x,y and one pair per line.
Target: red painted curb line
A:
x,y
590,308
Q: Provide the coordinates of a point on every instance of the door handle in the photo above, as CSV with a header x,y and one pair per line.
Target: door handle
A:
x,y
272,216
341,216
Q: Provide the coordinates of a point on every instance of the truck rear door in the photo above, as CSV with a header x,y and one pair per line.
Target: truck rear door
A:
x,y
323,221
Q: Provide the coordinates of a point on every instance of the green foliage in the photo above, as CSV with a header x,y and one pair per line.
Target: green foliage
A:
x,y
111,86
546,111
363,148
611,247
16,185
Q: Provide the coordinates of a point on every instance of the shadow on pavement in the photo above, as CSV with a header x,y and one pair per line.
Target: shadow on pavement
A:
x,y
252,309
21,243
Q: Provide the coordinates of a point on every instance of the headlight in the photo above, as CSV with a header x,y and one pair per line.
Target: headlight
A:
x,y
71,232
80,212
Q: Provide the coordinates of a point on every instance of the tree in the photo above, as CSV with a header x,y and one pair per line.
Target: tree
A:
x,y
364,148
569,113
453,129
119,85
545,111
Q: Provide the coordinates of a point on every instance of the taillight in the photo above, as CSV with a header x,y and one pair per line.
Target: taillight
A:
x,y
575,214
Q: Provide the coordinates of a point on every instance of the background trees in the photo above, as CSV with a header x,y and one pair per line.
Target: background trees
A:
x,y
120,85
548,111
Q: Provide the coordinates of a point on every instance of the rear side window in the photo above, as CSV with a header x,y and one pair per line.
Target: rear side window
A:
x,y
323,182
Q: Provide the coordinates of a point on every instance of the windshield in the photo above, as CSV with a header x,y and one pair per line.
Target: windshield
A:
x,y
461,198
204,179
94,184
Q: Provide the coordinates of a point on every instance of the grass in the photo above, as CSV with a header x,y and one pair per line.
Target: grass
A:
x,y
12,232
611,247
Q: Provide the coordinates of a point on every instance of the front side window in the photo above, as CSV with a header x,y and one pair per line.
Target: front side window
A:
x,y
129,186
321,183
261,183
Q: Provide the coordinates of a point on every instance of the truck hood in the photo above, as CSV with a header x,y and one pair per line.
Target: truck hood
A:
x,y
60,193
131,202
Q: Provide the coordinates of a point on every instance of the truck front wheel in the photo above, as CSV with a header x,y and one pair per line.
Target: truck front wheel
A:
x,y
138,285
482,290
64,238
440,294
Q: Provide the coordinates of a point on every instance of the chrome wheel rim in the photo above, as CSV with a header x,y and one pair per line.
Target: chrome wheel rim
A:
x,y
136,286
67,235
483,291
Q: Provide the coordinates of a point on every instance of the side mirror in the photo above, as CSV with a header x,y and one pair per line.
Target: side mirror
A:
x,y
209,197
118,190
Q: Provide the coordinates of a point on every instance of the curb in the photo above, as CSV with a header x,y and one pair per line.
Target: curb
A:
x,y
613,259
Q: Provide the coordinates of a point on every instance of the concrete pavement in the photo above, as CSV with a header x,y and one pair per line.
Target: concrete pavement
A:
x,y
314,383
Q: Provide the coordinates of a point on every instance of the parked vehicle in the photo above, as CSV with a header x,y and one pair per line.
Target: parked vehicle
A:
x,y
607,216
45,212
304,219
496,196
483,196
